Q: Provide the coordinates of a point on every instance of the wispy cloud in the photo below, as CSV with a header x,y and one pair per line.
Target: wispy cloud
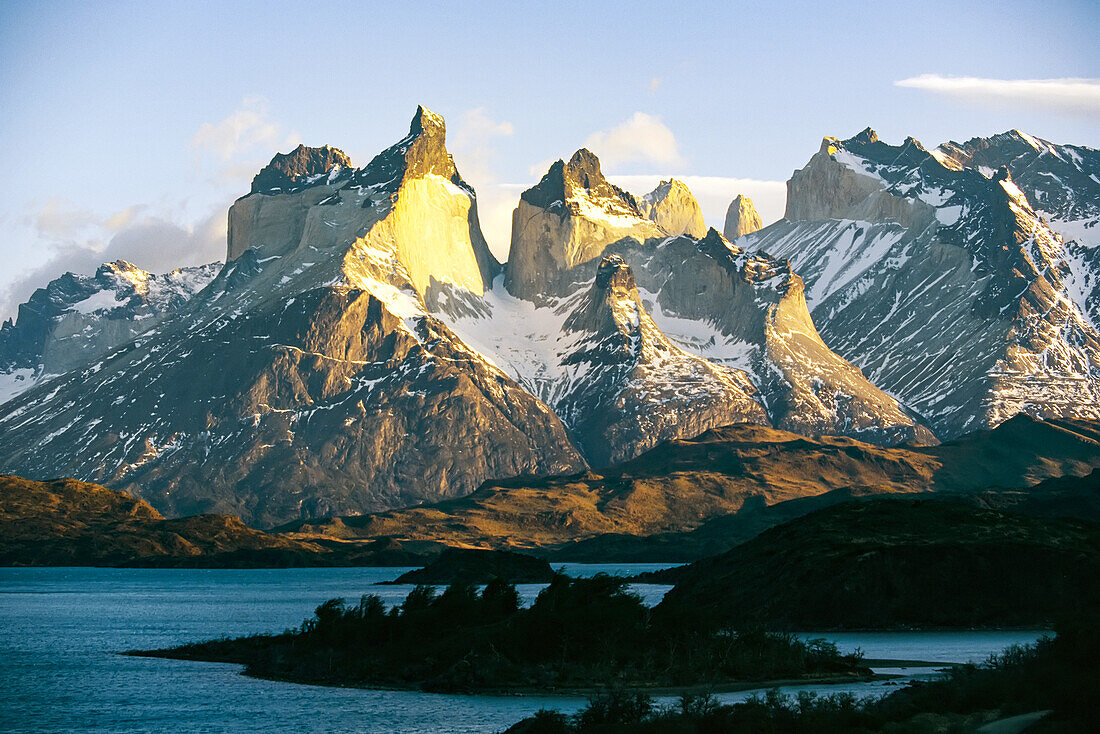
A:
x,y
1073,96
155,235
239,144
472,141
640,139
246,128
80,241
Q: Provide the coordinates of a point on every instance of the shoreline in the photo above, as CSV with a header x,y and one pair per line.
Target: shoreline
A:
x,y
575,691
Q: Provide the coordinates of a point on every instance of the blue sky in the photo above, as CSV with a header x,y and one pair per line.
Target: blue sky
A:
x,y
128,128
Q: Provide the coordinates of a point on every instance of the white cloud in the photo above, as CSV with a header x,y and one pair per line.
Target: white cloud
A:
x,y
156,235
77,240
641,139
475,127
714,193
242,143
495,204
471,142
655,84
243,130
1075,96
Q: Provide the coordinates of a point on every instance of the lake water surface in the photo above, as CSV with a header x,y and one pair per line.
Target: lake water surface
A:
x,y
60,630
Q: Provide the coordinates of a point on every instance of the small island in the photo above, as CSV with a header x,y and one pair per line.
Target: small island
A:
x,y
479,566
579,635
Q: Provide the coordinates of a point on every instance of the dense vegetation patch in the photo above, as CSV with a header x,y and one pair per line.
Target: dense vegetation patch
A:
x,y
1059,675
897,562
579,633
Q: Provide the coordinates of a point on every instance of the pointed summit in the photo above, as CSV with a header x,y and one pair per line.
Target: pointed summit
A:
x,y
866,136
741,218
568,218
633,386
427,121
613,305
614,273
581,176
408,206
422,152
673,207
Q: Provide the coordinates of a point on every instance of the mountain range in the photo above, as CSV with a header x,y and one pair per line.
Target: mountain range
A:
x,y
362,350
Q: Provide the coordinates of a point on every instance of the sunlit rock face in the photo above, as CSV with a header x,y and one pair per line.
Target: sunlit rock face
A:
x,y
741,218
673,207
568,219
310,377
700,295
747,310
409,206
362,349
941,281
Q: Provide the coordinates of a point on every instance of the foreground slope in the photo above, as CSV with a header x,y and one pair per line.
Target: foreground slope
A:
x,y
681,484
69,523
900,562
308,378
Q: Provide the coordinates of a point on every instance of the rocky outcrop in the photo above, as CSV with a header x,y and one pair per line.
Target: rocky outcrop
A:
x,y
759,322
76,319
674,209
407,220
631,387
741,218
1061,182
708,322
567,219
941,283
302,166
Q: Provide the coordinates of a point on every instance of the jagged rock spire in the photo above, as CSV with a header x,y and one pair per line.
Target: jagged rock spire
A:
x,y
673,207
613,272
568,218
581,175
741,218
285,169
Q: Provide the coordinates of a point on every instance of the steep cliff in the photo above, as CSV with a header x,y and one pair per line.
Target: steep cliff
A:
x,y
712,327
943,285
632,387
568,219
308,378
